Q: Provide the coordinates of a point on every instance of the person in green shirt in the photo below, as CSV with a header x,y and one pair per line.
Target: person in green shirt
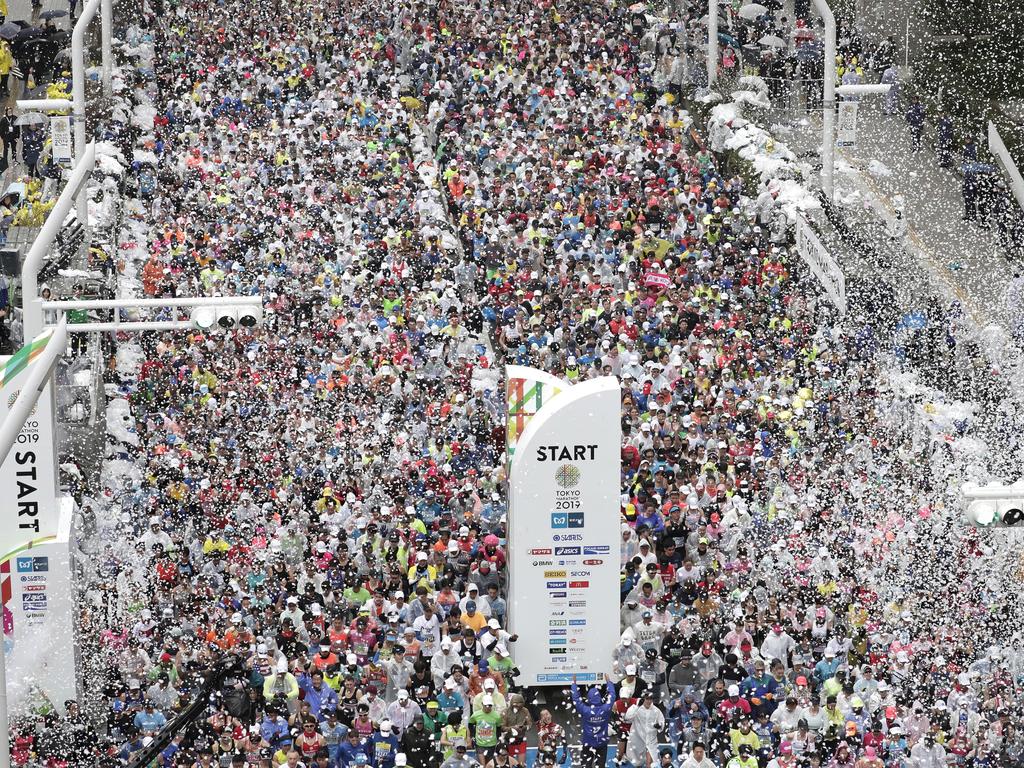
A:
x,y
744,758
486,724
357,595
434,719
501,660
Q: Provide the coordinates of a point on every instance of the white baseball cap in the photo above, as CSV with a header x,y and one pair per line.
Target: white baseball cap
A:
x,y
631,669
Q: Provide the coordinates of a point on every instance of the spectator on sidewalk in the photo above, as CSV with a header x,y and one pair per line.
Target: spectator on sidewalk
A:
x,y
915,119
32,148
891,102
6,63
970,193
944,140
9,133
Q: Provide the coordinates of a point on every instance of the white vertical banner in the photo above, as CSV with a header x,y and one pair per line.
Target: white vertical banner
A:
x,y
564,485
60,140
846,125
35,572
28,476
38,613
821,263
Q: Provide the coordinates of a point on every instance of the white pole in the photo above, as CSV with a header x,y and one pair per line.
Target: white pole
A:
x,y
712,62
106,47
906,48
863,89
828,106
30,302
129,303
998,148
132,326
45,105
78,95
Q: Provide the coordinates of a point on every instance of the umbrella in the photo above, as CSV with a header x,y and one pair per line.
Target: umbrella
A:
x,y
809,51
9,30
28,33
752,11
32,118
772,41
728,40
52,14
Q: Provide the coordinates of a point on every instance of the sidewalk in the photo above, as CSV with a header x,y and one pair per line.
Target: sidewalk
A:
x,y
22,10
962,256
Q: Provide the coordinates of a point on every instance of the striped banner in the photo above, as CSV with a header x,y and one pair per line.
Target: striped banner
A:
x,y
526,390
17,362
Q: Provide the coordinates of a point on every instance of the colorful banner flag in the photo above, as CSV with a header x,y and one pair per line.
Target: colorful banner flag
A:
x,y
17,362
526,390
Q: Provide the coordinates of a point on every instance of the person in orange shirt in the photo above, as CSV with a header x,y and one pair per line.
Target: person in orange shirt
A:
x,y
456,186
337,632
234,634
472,618
325,658
410,643
152,274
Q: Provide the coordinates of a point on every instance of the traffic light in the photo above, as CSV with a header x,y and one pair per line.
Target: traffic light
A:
x,y
209,317
995,505
204,317
227,317
250,317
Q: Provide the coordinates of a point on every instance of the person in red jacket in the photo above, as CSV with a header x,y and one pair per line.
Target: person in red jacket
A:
x,y
734,705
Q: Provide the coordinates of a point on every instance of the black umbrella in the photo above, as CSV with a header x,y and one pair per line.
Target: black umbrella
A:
x,y
28,33
52,14
9,30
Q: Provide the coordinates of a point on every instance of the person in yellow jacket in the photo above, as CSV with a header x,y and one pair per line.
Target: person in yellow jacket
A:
x,y
215,545
6,59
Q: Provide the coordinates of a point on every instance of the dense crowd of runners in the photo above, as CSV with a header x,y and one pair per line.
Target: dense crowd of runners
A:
x,y
321,497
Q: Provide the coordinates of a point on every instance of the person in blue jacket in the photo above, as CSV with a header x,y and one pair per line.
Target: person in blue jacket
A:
x,y
352,751
320,696
383,746
595,713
